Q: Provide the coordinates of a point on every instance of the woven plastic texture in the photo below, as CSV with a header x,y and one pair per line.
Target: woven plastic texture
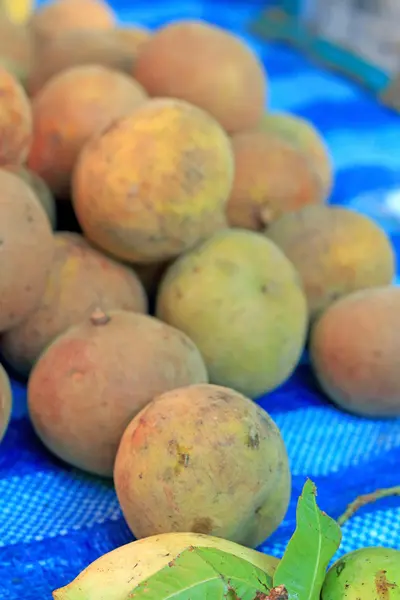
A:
x,y
55,520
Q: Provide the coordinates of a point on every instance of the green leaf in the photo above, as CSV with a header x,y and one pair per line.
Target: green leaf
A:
x,y
309,551
205,574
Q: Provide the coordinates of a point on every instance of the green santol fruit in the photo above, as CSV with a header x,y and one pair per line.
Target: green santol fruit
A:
x,y
365,574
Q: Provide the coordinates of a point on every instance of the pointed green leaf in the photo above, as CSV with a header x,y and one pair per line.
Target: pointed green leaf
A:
x,y
309,551
205,574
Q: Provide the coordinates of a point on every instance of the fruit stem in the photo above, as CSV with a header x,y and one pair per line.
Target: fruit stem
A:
x,y
367,499
99,317
278,593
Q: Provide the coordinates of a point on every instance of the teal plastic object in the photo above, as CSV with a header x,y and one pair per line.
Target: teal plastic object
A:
x,y
283,22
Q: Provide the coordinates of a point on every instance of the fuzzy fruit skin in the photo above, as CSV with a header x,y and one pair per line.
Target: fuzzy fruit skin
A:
x,y
115,574
5,401
305,137
80,279
75,105
154,183
15,120
238,298
97,377
27,249
365,574
354,350
205,459
207,66
272,177
335,250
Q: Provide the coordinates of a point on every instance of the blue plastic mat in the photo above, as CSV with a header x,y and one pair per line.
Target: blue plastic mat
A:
x,y
55,520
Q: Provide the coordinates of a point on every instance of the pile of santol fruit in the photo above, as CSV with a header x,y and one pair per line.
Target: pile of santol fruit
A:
x,y
180,194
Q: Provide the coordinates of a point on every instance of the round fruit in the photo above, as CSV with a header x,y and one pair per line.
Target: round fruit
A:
x,y
98,375
207,66
367,574
205,459
70,109
155,183
238,298
354,351
271,178
335,250
304,136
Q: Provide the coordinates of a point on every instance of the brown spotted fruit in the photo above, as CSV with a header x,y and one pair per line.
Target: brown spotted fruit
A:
x,y
114,575
304,136
204,459
26,250
206,66
335,250
94,378
69,110
5,401
15,120
238,298
354,350
371,573
155,183
80,279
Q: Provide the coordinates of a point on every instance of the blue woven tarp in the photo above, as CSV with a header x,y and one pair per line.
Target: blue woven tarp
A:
x,y
55,520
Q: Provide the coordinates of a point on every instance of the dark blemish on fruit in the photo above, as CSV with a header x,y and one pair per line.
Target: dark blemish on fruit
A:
x,y
340,567
202,525
383,586
253,440
28,288
140,475
182,456
184,459
264,289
